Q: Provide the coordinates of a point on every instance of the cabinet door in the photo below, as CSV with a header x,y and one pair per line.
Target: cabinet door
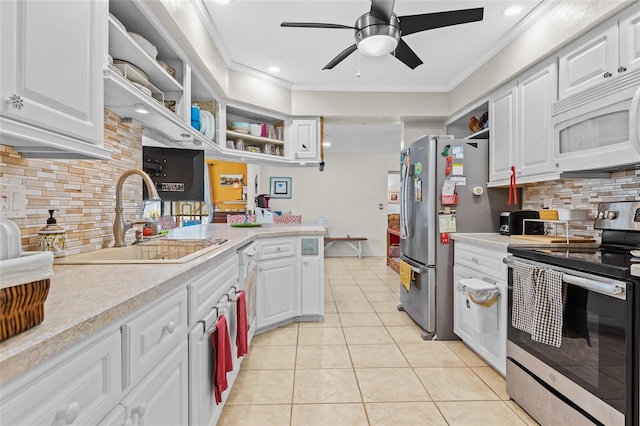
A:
x,y
534,149
502,116
590,63
52,58
161,398
312,286
303,139
277,294
630,42
80,389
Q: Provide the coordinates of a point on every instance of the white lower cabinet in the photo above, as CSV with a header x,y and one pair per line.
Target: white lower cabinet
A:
x,y
482,328
277,291
79,387
312,277
162,397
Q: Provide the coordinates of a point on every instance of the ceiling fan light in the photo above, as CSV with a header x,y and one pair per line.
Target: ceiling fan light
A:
x,y
377,45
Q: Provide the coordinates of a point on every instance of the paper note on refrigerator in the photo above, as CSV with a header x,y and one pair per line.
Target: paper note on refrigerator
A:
x,y
446,221
457,169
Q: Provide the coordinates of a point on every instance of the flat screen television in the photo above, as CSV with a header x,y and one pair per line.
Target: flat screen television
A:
x,y
177,173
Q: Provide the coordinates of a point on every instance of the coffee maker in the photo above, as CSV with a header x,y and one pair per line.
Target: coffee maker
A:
x,y
262,200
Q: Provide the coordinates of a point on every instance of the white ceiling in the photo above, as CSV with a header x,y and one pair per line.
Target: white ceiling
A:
x,y
250,38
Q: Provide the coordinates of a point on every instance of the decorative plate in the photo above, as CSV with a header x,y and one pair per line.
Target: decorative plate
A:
x,y
245,225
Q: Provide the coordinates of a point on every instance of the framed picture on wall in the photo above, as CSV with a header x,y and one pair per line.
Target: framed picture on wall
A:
x,y
394,197
280,187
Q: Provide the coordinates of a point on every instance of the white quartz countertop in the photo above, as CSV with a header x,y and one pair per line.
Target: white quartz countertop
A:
x,y
502,242
85,298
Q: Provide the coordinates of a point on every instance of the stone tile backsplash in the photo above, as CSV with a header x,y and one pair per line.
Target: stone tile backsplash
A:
x,y
83,191
583,194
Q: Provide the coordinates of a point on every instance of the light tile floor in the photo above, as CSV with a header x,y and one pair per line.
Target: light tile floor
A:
x,y
365,364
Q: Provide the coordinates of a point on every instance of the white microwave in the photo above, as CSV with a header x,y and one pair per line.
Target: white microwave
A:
x,y
599,127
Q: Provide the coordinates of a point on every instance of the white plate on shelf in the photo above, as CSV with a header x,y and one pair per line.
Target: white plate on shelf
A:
x,y
118,23
143,89
635,253
131,72
208,124
144,44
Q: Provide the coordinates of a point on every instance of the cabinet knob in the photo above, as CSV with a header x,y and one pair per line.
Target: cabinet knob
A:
x,y
557,164
306,262
170,327
622,69
474,260
607,74
278,248
16,101
140,410
70,414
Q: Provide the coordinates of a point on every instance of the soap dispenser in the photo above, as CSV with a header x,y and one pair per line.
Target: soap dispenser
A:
x,y
52,237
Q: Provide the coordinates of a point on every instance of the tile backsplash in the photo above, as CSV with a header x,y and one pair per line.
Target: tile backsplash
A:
x,y
583,194
83,191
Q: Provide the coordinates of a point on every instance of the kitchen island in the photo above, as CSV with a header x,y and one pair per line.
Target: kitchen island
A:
x,y
83,299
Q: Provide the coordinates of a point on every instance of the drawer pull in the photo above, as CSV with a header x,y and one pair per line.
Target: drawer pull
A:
x,y
70,414
140,410
170,327
474,260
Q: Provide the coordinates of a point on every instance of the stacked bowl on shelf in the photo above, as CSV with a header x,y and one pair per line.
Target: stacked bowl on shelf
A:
x,y
240,127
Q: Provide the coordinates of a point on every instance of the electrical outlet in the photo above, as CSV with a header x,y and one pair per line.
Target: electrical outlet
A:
x,y
13,203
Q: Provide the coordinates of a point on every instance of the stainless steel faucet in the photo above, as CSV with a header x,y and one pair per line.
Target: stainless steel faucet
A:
x,y
120,227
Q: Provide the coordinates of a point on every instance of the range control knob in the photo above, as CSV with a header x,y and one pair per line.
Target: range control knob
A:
x,y
611,215
600,215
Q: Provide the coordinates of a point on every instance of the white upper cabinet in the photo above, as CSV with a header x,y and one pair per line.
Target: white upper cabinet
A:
x,y
630,41
52,93
502,122
606,54
534,147
521,131
303,139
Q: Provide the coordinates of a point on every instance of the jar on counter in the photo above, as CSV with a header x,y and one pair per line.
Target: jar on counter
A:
x,y
52,238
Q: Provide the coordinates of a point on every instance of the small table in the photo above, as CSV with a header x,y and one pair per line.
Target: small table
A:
x,y
329,241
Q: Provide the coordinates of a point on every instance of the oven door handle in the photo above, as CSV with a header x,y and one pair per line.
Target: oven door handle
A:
x,y
612,289
589,284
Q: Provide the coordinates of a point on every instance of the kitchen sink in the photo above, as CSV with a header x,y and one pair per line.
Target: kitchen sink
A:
x,y
153,251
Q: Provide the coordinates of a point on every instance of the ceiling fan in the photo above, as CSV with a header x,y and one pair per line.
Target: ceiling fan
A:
x,y
379,31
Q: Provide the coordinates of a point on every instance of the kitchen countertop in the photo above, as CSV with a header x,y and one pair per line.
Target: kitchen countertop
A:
x,y
502,242
85,298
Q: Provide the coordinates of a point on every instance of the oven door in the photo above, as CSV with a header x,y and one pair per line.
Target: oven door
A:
x,y
591,370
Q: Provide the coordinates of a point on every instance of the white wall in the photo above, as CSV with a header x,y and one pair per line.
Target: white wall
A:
x,y
347,194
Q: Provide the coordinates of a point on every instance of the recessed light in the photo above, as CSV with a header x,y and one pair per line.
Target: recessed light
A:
x,y
302,164
274,69
326,143
223,1
512,10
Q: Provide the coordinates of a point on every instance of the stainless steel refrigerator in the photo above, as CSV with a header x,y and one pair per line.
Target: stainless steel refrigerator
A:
x,y
429,166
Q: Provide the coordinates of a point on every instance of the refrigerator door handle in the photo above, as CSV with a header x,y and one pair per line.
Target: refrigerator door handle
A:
x,y
417,268
404,229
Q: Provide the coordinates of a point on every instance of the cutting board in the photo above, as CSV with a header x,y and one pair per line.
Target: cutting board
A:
x,y
553,239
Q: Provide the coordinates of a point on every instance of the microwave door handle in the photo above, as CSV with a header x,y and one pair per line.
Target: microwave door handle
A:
x,y
634,121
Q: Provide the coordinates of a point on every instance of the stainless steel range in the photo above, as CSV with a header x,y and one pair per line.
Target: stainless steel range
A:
x,y
589,373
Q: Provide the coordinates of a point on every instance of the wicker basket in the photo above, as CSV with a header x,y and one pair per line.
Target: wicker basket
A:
x,y
22,307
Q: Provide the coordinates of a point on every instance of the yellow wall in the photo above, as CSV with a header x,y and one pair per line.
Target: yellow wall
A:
x,y
226,193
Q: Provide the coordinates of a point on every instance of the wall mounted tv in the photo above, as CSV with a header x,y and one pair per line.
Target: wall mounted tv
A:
x,y
177,173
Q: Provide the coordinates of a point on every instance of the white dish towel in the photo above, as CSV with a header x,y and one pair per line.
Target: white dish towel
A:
x,y
30,266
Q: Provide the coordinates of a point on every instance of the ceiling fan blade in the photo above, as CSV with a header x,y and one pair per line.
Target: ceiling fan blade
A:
x,y
382,9
406,55
428,21
335,61
315,25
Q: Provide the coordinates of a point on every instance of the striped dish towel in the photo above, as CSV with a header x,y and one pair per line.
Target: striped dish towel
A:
x,y
548,306
523,311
